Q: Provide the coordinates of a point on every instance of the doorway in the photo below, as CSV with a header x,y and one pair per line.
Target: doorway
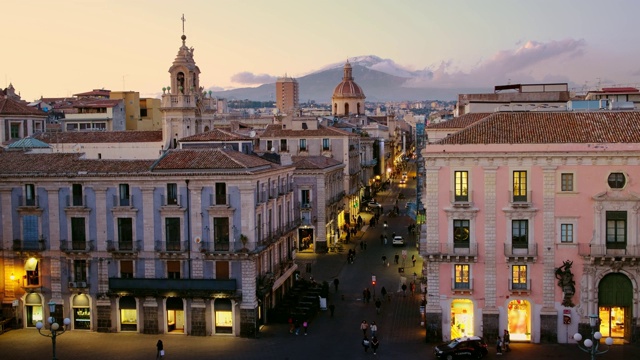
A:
x,y
175,315
615,301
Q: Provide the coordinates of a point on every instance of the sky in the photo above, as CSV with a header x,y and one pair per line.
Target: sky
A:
x,y
59,48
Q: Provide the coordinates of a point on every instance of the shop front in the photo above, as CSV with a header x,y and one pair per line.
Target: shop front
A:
x,y
128,313
81,312
519,320
33,309
462,318
223,316
306,238
615,303
175,315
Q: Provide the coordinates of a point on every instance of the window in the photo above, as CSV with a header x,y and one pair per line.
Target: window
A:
x,y
566,233
616,229
519,186
124,195
126,269
33,275
221,193
221,233
172,228
566,182
326,144
461,277
15,131
76,191
461,233
461,186
616,180
125,233
519,231
80,270
519,277
172,194
305,198
30,229
78,234
173,269
303,144
29,195
283,144
269,145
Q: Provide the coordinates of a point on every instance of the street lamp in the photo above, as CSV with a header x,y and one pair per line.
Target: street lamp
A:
x,y
591,345
54,328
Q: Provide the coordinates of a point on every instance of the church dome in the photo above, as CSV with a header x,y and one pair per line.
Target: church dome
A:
x,y
348,88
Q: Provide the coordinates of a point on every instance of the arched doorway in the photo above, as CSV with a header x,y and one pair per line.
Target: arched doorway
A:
x,y
128,314
519,320
461,318
81,307
175,315
33,309
615,300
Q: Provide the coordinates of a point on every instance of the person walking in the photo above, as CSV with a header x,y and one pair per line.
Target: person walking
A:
x,y
378,305
373,328
160,347
291,328
364,295
374,344
396,258
404,289
384,260
413,288
499,346
368,294
364,326
506,339
365,344
305,326
383,292
336,282
296,324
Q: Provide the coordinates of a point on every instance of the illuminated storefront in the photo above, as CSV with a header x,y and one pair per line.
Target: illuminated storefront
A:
x,y
128,314
615,301
223,316
519,318
461,318
175,315
81,312
33,309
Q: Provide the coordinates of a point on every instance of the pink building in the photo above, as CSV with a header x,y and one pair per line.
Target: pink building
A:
x,y
532,226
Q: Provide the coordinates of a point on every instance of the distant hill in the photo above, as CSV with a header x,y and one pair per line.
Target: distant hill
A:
x,y
381,80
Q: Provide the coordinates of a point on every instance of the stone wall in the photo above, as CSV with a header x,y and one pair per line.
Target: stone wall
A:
x,y
491,328
434,327
150,323
248,323
548,329
104,319
198,322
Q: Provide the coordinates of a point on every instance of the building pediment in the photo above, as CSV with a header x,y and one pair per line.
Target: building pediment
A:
x,y
616,196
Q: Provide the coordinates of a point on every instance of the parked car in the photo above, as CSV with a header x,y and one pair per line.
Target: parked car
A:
x,y
472,347
398,241
373,205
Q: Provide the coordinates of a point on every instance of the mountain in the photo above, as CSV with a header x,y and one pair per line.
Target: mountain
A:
x,y
380,79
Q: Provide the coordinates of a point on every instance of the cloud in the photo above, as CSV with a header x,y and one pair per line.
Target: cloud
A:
x,y
249,78
518,65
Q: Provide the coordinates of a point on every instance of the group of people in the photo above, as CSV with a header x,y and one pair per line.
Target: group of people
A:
x,y
294,326
367,343
502,344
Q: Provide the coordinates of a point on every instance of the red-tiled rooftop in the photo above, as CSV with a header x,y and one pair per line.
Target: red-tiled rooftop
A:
x,y
10,106
91,137
459,122
19,163
619,89
313,162
216,135
551,128
96,93
211,159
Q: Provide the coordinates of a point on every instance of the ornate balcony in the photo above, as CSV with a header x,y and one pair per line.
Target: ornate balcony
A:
x,y
77,247
604,255
519,253
453,253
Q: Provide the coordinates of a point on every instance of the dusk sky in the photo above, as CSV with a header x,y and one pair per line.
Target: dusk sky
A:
x,y
59,48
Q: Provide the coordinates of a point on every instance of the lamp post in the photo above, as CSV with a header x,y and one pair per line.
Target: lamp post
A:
x,y
54,328
591,345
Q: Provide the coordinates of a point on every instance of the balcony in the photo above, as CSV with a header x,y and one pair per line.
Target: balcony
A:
x,y
520,288
521,253
305,205
124,247
78,285
76,201
205,288
33,202
605,255
219,200
171,201
77,247
171,247
208,247
28,245
520,201
453,253
177,101
462,287
369,163
123,202
461,201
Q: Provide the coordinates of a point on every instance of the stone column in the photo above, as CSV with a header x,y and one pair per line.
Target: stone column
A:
x,y
7,220
148,254
249,304
150,316
101,218
490,314
198,317
433,309
548,313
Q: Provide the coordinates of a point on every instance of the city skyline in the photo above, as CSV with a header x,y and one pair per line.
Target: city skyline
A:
x,y
58,49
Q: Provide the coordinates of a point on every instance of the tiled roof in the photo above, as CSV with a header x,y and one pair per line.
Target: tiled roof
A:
x,y
91,137
19,163
95,92
96,103
215,135
276,131
10,106
211,159
551,128
459,122
313,162
28,143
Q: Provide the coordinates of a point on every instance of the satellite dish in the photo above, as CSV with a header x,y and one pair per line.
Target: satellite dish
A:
x,y
273,149
252,133
198,240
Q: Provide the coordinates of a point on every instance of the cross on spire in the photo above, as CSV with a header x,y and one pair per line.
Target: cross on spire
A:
x,y
183,20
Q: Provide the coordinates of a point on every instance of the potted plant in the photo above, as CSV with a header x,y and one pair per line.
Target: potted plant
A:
x,y
244,239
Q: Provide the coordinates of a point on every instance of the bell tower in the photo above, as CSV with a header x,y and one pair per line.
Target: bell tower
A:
x,y
179,99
